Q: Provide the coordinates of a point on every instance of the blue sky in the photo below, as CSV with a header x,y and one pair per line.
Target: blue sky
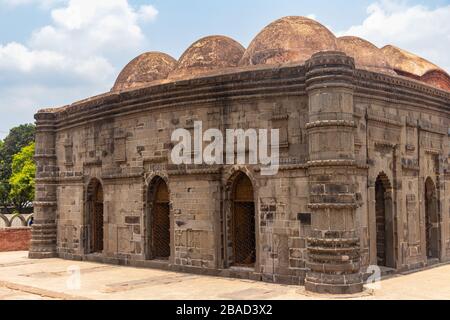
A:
x,y
53,52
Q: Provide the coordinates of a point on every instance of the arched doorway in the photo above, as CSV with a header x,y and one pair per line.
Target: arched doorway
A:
x,y
95,216
159,220
432,221
243,222
385,231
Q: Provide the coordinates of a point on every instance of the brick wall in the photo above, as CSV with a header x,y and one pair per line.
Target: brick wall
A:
x,y
15,239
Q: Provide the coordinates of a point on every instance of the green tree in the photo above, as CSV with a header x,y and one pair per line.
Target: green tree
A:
x,y
22,180
4,187
17,138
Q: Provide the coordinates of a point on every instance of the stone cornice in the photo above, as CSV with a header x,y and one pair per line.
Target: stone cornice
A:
x,y
433,151
331,123
406,167
432,128
398,89
122,176
45,203
93,163
180,171
372,116
44,156
157,160
332,163
385,144
248,84
337,206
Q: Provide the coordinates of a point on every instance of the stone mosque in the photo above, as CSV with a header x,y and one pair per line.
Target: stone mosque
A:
x,y
363,179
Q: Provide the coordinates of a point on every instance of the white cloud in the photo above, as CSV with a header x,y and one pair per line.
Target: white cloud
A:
x,y
16,57
40,3
147,13
78,54
86,28
419,29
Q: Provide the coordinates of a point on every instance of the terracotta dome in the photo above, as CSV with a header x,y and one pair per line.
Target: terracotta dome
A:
x,y
290,39
208,54
144,69
405,62
437,78
367,56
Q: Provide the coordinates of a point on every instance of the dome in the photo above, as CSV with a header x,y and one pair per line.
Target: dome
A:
x,y
407,63
208,54
367,56
437,78
290,39
146,68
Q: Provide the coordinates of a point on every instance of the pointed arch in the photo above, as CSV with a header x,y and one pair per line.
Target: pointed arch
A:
x,y
242,222
95,216
158,225
385,222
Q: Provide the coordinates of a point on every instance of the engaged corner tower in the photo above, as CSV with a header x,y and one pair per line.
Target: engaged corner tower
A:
x,y
43,243
333,247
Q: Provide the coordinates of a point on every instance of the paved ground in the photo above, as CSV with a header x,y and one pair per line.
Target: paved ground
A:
x,y
21,278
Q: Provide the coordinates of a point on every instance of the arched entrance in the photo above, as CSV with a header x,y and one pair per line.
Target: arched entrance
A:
x,y
243,222
384,222
159,220
432,221
95,216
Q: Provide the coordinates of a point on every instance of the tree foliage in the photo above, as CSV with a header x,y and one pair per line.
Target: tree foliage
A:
x,y
18,138
22,180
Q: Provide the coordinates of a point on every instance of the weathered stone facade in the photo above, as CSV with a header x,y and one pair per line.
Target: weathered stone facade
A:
x,y
364,175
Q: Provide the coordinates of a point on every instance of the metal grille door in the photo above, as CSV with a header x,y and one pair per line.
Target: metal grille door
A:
x,y
98,227
432,228
244,233
94,228
161,231
380,208
160,239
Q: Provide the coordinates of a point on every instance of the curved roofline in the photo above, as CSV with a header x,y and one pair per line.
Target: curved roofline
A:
x,y
236,50
265,52
210,37
367,55
358,38
439,70
288,50
119,83
412,58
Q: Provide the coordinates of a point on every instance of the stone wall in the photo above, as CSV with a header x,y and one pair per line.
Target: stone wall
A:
x,y
127,153
341,129
15,239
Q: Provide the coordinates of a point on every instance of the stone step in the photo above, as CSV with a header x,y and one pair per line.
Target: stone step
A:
x,y
433,261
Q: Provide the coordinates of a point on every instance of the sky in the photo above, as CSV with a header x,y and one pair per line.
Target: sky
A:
x,y
55,52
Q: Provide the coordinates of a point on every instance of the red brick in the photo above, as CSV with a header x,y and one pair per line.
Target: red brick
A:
x,y
15,239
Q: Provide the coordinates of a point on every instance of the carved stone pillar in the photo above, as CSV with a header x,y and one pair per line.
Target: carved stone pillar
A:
x,y
43,239
334,245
